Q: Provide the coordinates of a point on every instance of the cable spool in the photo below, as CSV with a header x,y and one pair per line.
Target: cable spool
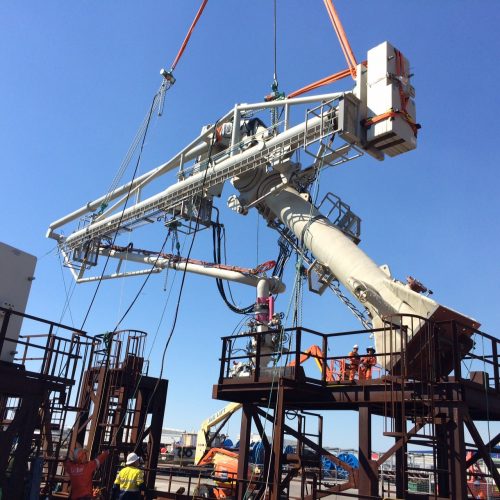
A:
x,y
188,453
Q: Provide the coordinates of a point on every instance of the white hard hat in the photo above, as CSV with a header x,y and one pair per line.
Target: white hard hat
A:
x,y
371,348
132,458
355,346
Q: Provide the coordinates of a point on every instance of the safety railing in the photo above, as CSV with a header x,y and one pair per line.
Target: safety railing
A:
x,y
121,348
53,350
408,348
41,360
205,482
244,357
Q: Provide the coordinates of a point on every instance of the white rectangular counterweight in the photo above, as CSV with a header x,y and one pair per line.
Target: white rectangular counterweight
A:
x,y
390,101
16,274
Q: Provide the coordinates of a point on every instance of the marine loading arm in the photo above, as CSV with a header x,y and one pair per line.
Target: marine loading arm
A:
x,y
258,161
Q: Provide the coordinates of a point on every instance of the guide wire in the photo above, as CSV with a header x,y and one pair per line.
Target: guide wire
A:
x,y
181,289
122,212
105,359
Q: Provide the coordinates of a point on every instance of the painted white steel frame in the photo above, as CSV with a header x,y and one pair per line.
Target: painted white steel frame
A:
x,y
238,163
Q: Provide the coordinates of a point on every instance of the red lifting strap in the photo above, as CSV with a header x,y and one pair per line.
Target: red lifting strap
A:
x,y
390,115
188,36
344,43
320,83
346,49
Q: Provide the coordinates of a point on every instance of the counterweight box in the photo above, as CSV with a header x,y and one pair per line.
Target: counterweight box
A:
x,y
16,274
391,115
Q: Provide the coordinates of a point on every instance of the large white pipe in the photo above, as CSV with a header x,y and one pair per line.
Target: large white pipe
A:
x,y
327,243
386,298
291,102
273,283
351,266
122,190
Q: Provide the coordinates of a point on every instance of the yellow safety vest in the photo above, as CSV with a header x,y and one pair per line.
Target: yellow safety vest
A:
x,y
130,479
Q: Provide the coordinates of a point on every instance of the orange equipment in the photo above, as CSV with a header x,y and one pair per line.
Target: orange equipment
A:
x,y
346,49
188,36
315,352
476,483
225,472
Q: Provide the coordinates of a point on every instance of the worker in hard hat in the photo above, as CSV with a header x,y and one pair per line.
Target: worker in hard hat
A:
x,y
477,490
80,471
367,363
130,480
353,362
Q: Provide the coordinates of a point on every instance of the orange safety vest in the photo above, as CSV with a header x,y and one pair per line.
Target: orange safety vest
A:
x,y
354,358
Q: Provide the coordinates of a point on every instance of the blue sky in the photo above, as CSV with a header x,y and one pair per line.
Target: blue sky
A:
x,y
78,78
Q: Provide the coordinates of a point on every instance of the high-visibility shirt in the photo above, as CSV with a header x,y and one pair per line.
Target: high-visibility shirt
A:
x,y
130,479
354,358
80,475
369,361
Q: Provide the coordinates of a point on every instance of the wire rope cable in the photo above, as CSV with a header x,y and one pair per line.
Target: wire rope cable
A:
x,y
295,299
134,393
68,295
138,139
275,16
105,358
179,297
122,212
157,103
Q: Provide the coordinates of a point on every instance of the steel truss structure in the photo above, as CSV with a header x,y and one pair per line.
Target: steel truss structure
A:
x,y
202,170
36,394
429,404
115,406
121,408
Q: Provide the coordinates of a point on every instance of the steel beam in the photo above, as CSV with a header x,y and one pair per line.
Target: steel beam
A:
x,y
401,457
482,449
477,456
245,433
442,453
368,475
157,399
457,459
277,462
353,473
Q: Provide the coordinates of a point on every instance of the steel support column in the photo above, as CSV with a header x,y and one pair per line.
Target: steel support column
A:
x,y
401,457
14,450
457,458
157,410
368,477
442,454
245,429
267,446
277,462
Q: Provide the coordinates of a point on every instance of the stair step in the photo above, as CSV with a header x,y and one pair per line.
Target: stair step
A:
x,y
394,434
